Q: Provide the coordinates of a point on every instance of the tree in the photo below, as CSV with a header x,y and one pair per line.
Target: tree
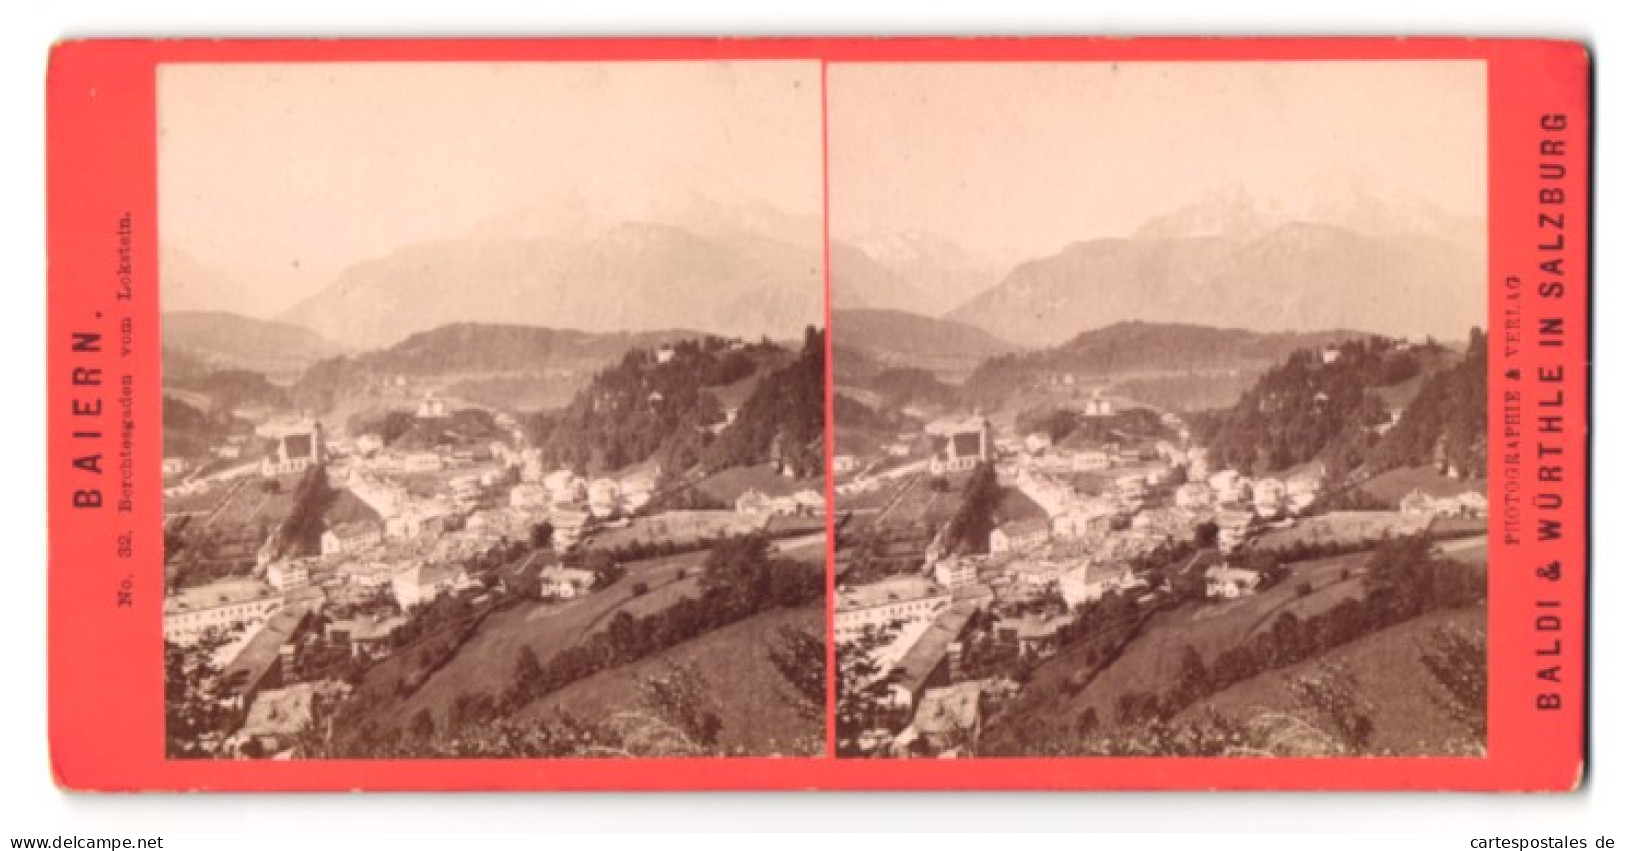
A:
x,y
541,535
679,697
1331,695
798,655
1192,682
423,725
195,697
1457,661
862,692
1088,723
969,529
527,670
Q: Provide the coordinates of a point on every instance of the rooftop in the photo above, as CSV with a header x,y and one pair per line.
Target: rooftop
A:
x,y
1024,527
956,425
282,711
228,592
927,653
949,709
892,589
264,648
368,628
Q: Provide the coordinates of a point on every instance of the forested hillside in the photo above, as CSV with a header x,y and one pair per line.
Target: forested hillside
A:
x,y
1128,348
642,409
784,419
1445,424
1307,409
473,348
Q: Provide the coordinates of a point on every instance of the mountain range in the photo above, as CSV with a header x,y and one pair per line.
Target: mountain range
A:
x,y
189,283
221,340
904,334
1351,261
634,277
906,270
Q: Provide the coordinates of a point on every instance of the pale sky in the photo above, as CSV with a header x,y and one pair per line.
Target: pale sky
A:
x,y
285,174
1018,160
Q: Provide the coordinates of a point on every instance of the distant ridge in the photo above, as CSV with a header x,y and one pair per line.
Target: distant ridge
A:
x,y
481,346
1346,259
228,340
901,332
634,276
1127,349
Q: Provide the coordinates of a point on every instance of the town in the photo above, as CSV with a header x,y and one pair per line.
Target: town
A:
x,y
303,555
983,556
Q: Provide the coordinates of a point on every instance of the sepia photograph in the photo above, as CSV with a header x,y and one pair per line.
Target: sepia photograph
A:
x,y
493,409
1160,408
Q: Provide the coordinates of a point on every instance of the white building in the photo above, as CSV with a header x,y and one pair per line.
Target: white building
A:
x,y
952,573
904,597
296,450
1234,527
1269,497
1226,582
287,574
959,443
1089,582
423,583
1019,536
350,538
189,612
603,496
1193,496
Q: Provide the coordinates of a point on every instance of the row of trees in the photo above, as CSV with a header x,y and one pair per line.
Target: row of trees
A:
x,y
741,579
1404,580
674,716
977,516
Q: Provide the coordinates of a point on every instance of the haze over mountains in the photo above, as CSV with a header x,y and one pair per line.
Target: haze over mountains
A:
x,y
635,277
907,270
1344,258
1360,263
223,340
743,269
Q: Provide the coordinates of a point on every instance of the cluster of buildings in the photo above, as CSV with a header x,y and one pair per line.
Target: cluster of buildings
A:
x,y
1101,507
1470,504
405,523
958,444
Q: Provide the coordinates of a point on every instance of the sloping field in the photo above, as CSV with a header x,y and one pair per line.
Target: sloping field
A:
x,y
486,662
1395,485
1391,678
761,713
727,485
1151,661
